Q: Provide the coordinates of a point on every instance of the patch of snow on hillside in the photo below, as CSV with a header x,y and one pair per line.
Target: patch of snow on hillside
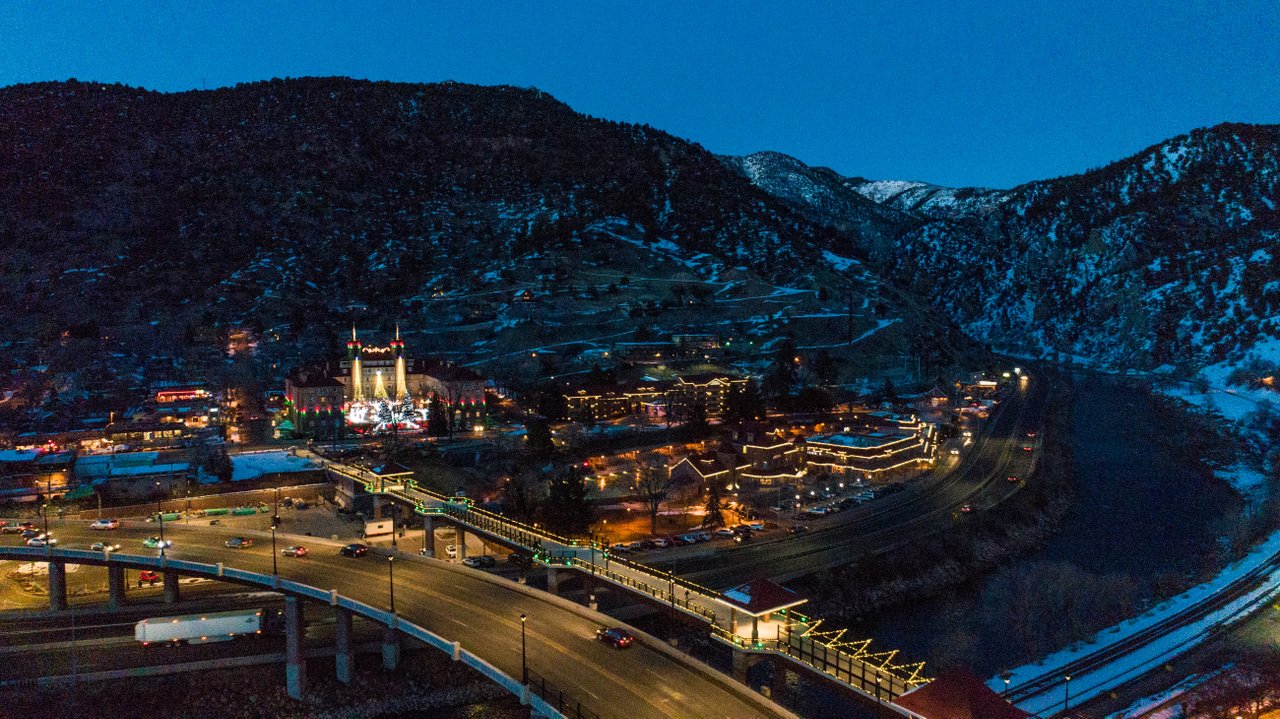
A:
x,y
1246,481
884,190
838,263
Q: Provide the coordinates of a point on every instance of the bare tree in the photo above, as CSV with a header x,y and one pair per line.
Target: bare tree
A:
x,y
654,481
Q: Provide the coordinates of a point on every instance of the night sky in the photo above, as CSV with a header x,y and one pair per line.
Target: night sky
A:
x,y
992,93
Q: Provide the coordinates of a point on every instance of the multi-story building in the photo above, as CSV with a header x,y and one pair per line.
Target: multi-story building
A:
x,y
896,442
675,398
708,389
351,389
314,402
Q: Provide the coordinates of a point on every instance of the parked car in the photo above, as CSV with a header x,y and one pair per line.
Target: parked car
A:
x,y
452,551
755,526
148,576
742,537
619,547
616,637
660,542
355,549
296,550
798,529
157,543
103,547
105,524
239,543
724,532
29,533
287,501
41,540
300,504
635,546
482,562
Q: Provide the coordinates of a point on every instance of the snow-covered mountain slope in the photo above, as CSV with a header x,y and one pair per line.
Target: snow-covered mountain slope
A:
x,y
1169,257
929,200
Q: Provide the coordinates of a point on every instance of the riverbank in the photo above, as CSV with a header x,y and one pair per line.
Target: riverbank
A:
x,y
1150,519
929,565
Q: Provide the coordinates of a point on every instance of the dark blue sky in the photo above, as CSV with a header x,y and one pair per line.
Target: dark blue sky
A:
x,y
990,93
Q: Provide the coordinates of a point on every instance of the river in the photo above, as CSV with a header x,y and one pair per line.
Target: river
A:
x,y
1143,520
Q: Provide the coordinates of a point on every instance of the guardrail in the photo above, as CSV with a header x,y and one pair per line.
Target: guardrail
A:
x,y
306,591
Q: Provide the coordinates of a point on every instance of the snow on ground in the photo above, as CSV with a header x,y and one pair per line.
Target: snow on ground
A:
x,y
880,324
838,263
1142,660
1247,481
256,464
1152,707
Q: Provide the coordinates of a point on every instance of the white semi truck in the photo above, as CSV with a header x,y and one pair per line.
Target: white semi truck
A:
x,y
204,628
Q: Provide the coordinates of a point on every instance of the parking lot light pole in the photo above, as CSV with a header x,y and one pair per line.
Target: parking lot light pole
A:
x,y
274,568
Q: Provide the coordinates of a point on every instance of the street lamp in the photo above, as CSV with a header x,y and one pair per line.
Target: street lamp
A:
x,y
391,580
524,665
274,568
1006,677
1066,703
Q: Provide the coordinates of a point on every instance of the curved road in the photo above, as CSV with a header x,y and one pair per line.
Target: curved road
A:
x,y
929,504
482,612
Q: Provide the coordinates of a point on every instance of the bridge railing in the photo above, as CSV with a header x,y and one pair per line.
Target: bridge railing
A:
x,y
662,591
545,706
565,704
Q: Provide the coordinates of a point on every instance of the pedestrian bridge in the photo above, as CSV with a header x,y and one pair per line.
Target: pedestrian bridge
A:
x,y
802,641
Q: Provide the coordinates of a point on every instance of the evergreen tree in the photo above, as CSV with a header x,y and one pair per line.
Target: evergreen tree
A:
x,y
715,507
437,422
567,509
744,404
825,368
538,437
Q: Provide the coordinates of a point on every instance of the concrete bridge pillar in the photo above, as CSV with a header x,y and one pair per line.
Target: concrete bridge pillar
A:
x,y
390,649
171,594
553,580
428,536
115,586
295,668
462,543
742,663
345,657
57,586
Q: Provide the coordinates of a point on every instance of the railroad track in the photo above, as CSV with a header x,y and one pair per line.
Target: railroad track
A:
x,y
1234,590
